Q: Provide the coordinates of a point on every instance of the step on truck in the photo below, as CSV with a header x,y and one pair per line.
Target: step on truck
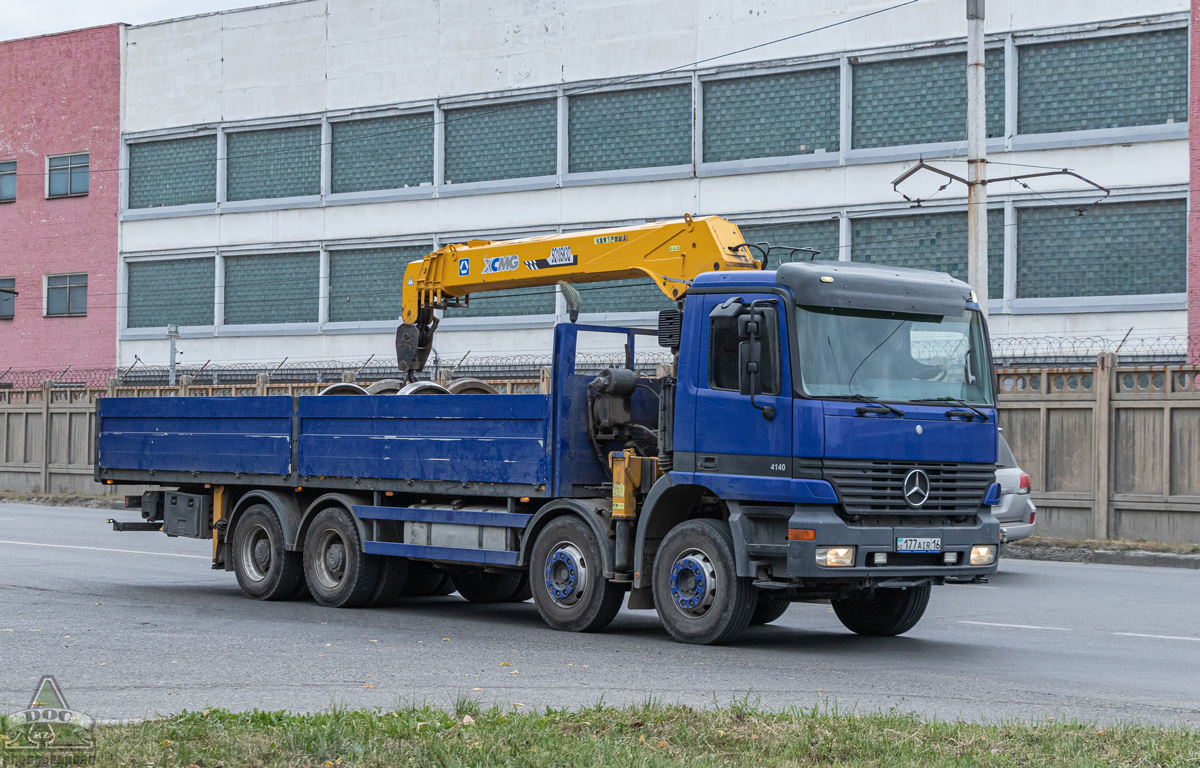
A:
x,y
824,431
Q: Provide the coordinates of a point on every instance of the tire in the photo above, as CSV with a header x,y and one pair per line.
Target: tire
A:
x,y
392,573
445,586
883,612
338,572
524,591
566,573
768,609
265,570
699,596
424,580
483,587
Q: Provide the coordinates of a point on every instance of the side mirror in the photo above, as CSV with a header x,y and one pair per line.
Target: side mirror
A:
x,y
751,327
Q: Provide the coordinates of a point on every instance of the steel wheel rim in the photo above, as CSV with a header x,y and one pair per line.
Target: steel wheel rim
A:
x,y
566,574
257,553
694,584
330,559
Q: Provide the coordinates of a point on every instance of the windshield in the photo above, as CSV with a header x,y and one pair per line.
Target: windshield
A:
x,y
893,357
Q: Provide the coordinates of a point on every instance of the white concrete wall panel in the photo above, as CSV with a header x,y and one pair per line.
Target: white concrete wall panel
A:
x,y
173,74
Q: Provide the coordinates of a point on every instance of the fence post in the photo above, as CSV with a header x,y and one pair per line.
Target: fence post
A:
x,y
46,388
544,380
113,381
1106,363
185,383
260,383
348,377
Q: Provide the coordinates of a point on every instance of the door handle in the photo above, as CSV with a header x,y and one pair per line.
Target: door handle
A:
x,y
707,463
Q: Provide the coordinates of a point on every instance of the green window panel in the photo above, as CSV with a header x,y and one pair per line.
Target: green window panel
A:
x,y
1103,82
634,295
796,113
272,288
502,141
176,292
382,153
282,162
1114,249
173,172
935,241
921,100
822,235
618,130
514,302
367,283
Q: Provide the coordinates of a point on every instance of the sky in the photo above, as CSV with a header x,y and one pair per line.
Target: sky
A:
x,y
26,18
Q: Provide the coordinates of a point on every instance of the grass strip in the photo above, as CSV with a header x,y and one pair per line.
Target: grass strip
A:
x,y
1112,545
647,735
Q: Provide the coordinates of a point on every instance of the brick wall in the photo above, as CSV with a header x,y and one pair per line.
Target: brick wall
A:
x,y
60,94
1194,222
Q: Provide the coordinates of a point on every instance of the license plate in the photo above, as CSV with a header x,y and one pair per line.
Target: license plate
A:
x,y
917,544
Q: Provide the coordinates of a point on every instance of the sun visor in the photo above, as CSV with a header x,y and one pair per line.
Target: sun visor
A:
x,y
874,287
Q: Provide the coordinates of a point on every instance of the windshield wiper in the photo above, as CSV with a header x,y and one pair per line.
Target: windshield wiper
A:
x,y
954,400
873,401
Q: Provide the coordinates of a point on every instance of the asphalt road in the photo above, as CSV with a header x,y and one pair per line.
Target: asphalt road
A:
x,y
135,624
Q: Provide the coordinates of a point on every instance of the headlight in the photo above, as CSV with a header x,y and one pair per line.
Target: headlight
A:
x,y
835,557
983,555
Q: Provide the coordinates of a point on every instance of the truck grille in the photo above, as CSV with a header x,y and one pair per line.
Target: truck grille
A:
x,y
876,487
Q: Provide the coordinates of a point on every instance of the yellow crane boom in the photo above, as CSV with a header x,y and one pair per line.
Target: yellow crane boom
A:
x,y
670,253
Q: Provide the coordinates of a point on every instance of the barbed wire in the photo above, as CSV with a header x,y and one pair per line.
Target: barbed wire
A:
x,y
1008,352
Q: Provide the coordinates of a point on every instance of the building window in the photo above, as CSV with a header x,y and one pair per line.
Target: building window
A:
x,y
1114,249
625,130
170,292
8,297
796,113
921,100
66,295
382,153
366,283
936,241
283,162
272,288
8,181
173,172
1103,82
502,141
68,175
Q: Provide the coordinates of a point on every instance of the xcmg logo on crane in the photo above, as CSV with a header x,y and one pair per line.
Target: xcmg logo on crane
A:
x,y
497,264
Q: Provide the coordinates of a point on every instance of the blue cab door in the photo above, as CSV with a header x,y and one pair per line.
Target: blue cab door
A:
x,y
733,439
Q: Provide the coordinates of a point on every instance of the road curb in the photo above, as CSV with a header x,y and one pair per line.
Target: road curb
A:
x,y
1102,556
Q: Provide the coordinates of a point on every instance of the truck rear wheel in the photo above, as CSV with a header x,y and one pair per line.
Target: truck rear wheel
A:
x,y
768,609
567,577
699,596
483,587
265,570
424,580
883,612
524,591
392,573
339,573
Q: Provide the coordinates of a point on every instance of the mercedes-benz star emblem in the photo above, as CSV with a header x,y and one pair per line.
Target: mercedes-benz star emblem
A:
x,y
916,488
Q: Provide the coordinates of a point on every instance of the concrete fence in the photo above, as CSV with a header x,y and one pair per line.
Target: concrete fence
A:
x,y
1112,452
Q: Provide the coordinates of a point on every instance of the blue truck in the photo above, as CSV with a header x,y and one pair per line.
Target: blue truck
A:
x,y
825,431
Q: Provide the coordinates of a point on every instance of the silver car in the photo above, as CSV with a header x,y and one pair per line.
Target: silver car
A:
x,y
1016,511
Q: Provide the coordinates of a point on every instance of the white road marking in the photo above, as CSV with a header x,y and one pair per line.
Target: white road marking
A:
x,y
1157,637
1016,626
104,549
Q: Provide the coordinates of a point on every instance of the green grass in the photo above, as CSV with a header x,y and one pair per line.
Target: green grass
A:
x,y
649,735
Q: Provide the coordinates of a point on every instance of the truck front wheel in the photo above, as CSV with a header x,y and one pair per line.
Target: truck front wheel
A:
x,y
883,612
699,596
265,570
339,573
567,577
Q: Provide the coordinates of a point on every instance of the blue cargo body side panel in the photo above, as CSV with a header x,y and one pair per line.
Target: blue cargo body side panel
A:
x,y
251,435
465,438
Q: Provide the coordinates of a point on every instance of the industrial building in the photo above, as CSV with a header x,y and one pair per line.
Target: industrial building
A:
x,y
281,164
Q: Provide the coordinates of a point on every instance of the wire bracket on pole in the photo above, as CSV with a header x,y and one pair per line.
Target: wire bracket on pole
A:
x,y
1019,179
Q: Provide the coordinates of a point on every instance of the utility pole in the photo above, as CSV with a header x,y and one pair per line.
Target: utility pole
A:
x,y
173,335
977,235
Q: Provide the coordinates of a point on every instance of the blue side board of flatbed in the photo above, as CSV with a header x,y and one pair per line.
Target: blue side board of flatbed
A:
x,y
507,444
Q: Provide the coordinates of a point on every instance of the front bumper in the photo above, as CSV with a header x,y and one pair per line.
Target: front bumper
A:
x,y
831,530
